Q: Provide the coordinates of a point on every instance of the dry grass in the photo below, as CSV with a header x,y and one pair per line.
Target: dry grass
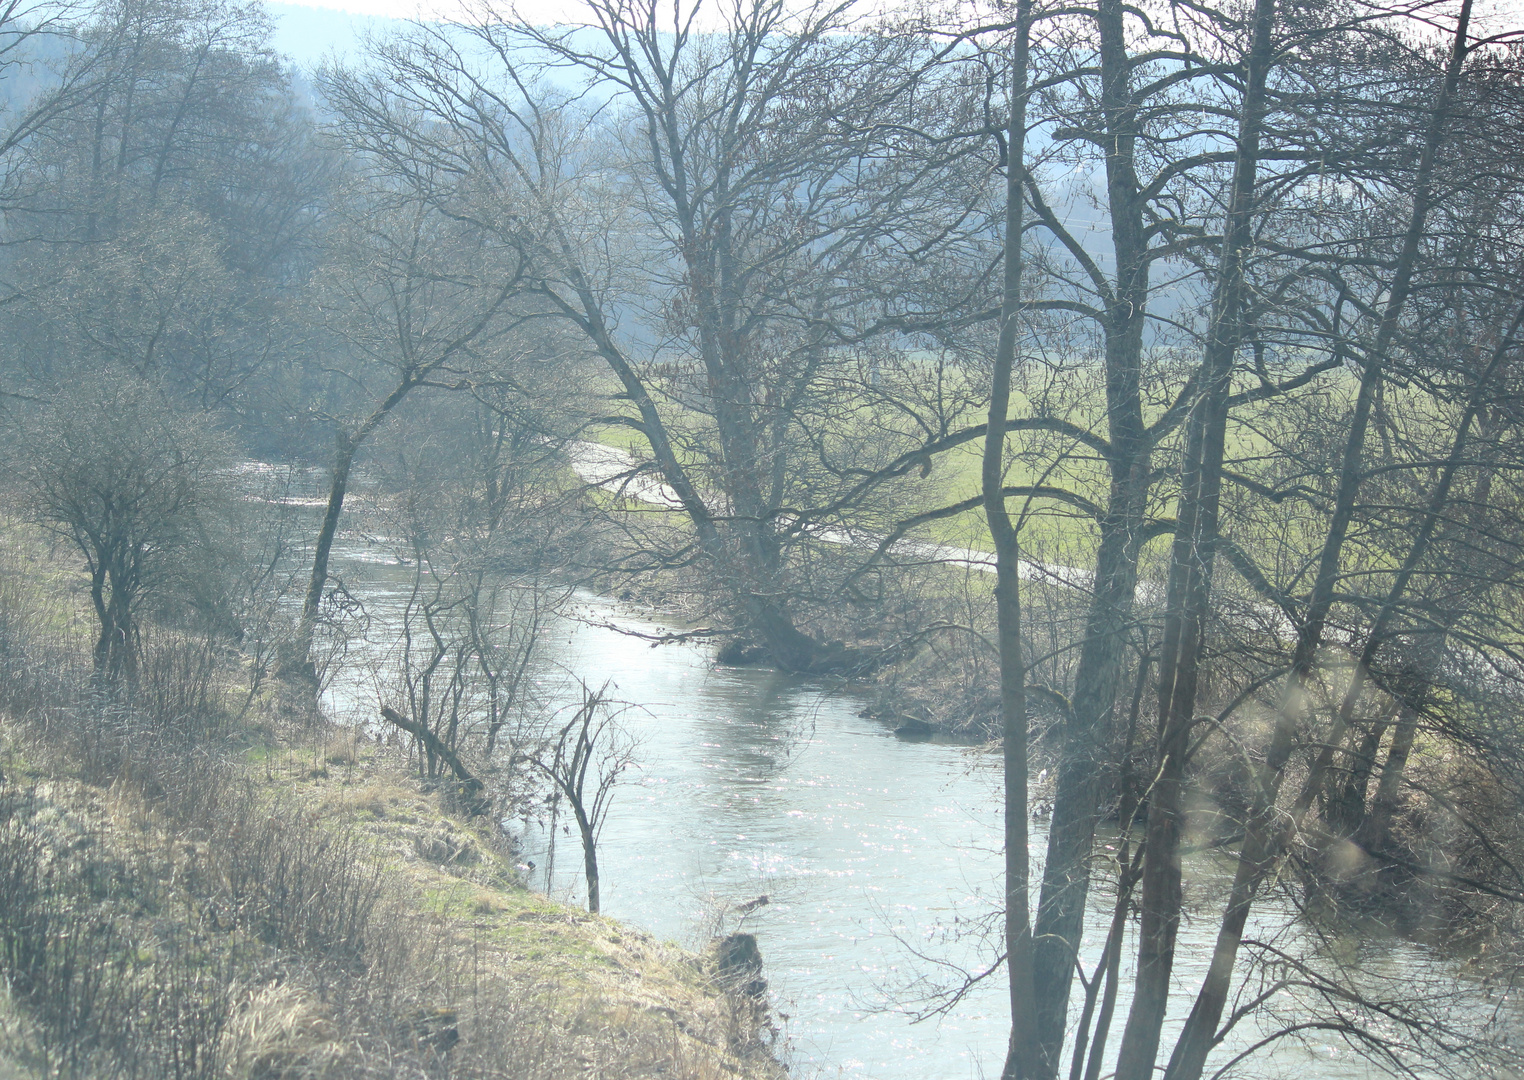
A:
x,y
308,926
178,903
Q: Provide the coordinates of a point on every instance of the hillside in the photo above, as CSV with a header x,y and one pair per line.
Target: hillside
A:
x,y
197,896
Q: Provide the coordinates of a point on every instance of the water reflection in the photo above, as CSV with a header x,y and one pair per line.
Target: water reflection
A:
x,y
753,783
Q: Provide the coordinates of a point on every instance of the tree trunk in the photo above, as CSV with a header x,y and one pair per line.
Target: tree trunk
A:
x,y
589,858
1190,578
1264,831
1112,963
98,599
1080,783
788,646
301,653
1129,863
114,657
1375,832
347,445
1023,1057
473,790
1348,790
116,654
1079,787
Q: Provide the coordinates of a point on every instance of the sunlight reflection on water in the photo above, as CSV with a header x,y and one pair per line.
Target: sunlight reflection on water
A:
x,y
754,783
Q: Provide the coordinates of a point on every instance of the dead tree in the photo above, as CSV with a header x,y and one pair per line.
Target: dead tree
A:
x,y
473,792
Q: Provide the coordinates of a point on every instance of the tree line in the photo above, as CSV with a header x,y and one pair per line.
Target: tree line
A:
x,y
1198,323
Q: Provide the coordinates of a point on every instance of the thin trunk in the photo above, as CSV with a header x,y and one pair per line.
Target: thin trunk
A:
x,y
123,663
550,847
348,444
1023,1059
1108,966
338,486
1190,579
1113,963
97,170
1439,498
98,599
1087,1010
116,655
1371,831
1347,791
161,164
1129,869
1081,772
473,790
589,857
1374,833
1347,810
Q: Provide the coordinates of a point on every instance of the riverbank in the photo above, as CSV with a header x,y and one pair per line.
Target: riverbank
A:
x,y
198,884
314,912
880,858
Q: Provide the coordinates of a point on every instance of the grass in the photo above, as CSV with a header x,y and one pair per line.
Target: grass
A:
x,y
954,475
238,901
301,889
1053,532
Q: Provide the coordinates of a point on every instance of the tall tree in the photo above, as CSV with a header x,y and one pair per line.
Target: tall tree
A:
x,y
1191,568
751,201
1197,532
1024,1056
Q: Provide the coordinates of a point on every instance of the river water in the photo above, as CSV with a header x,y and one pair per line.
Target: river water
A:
x,y
880,858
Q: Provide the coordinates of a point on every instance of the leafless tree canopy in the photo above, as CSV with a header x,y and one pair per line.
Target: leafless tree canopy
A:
x,y
1137,386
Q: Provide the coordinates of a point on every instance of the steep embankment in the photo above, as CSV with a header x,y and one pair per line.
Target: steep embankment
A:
x,y
310,911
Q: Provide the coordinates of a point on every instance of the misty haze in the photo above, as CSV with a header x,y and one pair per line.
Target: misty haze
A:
x,y
762,539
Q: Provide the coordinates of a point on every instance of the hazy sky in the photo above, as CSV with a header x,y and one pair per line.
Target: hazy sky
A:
x,y
318,27
552,11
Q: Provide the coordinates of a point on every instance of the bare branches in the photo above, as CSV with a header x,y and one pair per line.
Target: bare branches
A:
x,y
589,742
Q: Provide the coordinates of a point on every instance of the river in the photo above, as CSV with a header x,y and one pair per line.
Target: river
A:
x,y
870,850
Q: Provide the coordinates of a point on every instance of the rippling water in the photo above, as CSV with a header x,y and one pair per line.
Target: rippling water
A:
x,y
869,849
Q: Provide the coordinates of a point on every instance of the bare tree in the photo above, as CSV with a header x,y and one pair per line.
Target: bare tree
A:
x,y
591,741
1024,1055
493,542
405,297
1287,291
724,234
1269,823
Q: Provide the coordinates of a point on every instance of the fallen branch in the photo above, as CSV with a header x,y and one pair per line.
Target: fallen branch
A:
x,y
472,790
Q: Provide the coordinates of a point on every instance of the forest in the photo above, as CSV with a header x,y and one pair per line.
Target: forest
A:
x,y
1124,401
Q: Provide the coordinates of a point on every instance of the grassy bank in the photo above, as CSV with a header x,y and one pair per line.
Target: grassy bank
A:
x,y
195,893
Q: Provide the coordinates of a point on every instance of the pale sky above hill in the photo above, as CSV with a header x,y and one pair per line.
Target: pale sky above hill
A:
x,y
1498,14
307,28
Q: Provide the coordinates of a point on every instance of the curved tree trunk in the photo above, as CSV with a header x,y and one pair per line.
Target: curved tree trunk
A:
x,y
1024,1057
